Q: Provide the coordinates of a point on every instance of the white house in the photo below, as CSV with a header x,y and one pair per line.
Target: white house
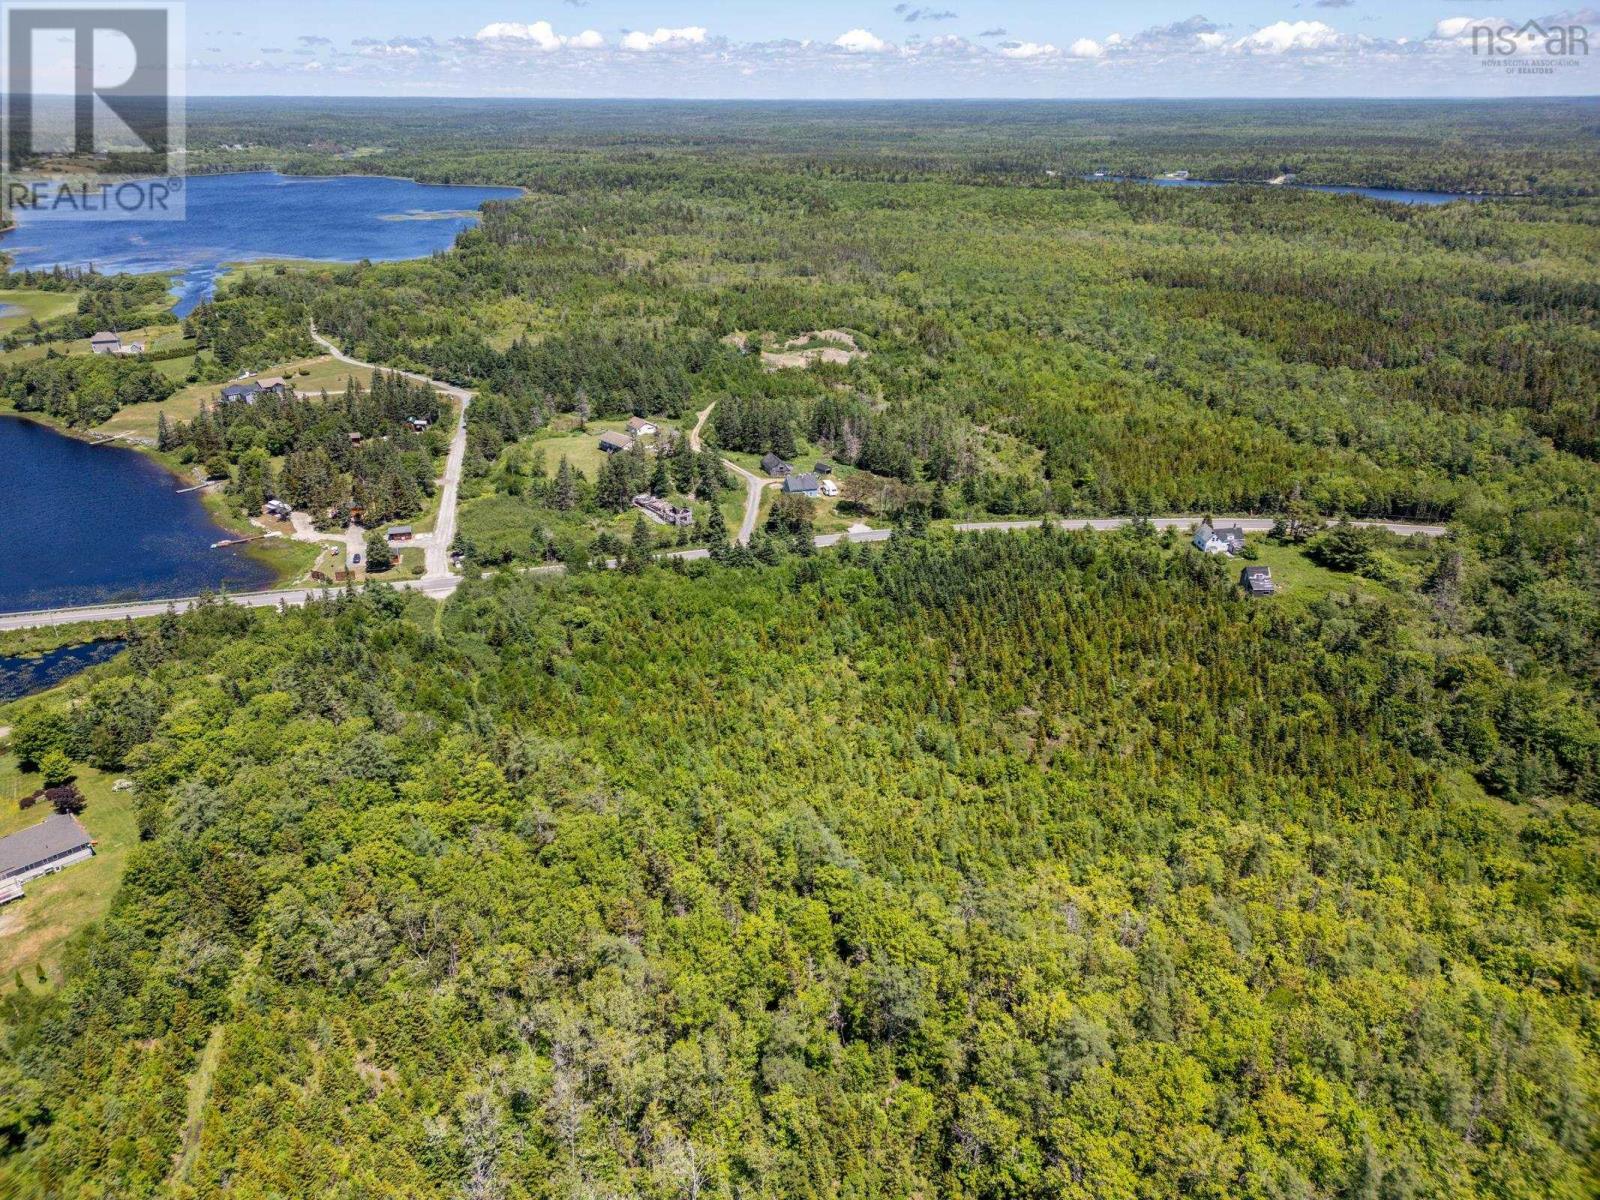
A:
x,y
1228,539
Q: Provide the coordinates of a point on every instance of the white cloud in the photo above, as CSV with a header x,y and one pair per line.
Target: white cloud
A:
x,y
1033,49
640,41
1452,28
540,35
1087,48
1283,36
1211,41
860,41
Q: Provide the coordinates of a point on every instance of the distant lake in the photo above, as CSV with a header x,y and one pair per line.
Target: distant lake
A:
x,y
85,524
1395,195
261,214
24,676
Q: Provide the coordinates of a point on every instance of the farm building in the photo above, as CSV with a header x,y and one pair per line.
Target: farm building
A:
x,y
773,465
612,443
105,343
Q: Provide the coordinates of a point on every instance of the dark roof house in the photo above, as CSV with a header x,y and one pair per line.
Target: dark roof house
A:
x,y
773,465
1257,581
242,391
53,843
803,485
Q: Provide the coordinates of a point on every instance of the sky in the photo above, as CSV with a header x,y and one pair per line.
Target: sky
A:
x,y
824,49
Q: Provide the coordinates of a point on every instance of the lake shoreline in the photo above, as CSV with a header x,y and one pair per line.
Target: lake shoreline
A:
x,y
221,514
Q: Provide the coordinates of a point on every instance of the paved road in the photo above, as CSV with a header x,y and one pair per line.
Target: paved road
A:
x,y
436,588
436,554
752,483
439,586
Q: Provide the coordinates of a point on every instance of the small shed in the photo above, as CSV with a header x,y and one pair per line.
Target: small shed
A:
x,y
400,533
355,438
823,468
1257,581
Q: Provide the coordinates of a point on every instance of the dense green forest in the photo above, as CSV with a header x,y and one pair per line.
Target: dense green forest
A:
x,y
1021,865
1506,146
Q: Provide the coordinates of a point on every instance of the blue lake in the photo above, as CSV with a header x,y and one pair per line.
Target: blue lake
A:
x,y
1394,195
86,524
24,676
261,214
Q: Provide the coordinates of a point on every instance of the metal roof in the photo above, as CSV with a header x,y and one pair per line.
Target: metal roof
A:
x,y
54,835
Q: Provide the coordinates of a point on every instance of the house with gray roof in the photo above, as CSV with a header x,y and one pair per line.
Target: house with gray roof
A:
x,y
1223,539
55,842
613,443
773,465
242,391
802,485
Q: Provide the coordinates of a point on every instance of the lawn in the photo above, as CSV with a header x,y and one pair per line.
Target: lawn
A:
x,y
139,420
20,306
34,930
581,449
1299,580
805,457
825,514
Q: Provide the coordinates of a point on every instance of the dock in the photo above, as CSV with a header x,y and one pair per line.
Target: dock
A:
x,y
239,541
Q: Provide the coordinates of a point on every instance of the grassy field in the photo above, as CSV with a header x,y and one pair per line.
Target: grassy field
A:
x,y
165,336
323,371
496,521
825,514
34,930
33,306
1299,580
